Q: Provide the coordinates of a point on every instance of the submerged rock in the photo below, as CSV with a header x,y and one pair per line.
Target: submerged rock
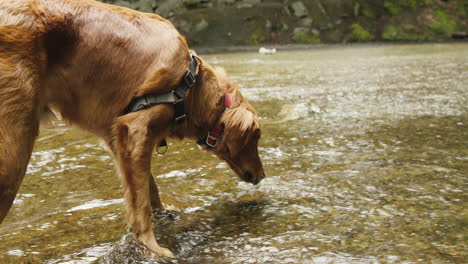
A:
x,y
290,112
293,111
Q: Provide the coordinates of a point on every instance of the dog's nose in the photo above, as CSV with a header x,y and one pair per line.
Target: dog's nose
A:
x,y
250,178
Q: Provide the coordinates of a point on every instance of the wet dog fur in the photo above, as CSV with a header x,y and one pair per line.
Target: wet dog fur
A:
x,y
87,60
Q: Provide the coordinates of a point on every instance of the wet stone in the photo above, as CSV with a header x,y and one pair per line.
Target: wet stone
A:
x,y
306,22
299,9
123,3
200,26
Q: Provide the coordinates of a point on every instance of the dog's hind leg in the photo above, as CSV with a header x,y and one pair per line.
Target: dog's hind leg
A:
x,y
135,136
18,128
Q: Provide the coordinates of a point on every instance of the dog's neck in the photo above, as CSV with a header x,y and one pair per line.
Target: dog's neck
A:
x,y
204,103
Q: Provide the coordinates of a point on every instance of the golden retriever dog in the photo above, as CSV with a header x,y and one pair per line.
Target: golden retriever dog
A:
x,y
126,76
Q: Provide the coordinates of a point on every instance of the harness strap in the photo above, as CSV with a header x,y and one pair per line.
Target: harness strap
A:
x,y
176,96
149,100
181,89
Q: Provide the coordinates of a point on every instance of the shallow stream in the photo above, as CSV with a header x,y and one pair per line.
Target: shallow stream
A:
x,y
365,148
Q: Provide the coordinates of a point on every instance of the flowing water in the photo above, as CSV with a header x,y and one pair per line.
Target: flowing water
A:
x,y
366,151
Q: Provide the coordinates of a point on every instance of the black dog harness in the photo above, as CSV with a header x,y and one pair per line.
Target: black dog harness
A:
x,y
176,96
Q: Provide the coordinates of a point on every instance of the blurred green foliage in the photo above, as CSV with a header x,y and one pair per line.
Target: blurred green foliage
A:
x,y
394,33
462,6
306,38
257,37
445,23
358,33
392,8
368,12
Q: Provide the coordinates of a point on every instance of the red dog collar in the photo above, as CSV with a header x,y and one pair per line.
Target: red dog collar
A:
x,y
213,136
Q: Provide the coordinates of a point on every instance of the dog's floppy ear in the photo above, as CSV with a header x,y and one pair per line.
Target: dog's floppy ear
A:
x,y
234,143
239,124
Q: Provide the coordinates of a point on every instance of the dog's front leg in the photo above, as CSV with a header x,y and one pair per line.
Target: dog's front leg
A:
x,y
154,195
134,139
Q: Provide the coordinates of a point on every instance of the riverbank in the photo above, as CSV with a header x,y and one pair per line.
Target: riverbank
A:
x,y
218,23
293,47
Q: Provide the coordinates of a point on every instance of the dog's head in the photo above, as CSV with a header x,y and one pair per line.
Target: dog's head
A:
x,y
238,145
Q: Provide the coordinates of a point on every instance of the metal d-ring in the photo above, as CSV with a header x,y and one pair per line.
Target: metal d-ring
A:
x,y
161,152
162,145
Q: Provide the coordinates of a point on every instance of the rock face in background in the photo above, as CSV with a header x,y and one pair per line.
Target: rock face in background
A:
x,y
251,22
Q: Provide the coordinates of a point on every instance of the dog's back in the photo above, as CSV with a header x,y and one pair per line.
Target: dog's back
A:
x,y
91,57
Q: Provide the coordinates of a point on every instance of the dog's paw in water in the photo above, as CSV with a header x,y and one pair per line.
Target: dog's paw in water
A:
x,y
130,250
163,253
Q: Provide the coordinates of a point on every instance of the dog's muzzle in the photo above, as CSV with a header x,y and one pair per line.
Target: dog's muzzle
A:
x,y
250,178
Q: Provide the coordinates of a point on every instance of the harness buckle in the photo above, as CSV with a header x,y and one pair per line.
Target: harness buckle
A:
x,y
215,139
179,119
189,79
140,107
